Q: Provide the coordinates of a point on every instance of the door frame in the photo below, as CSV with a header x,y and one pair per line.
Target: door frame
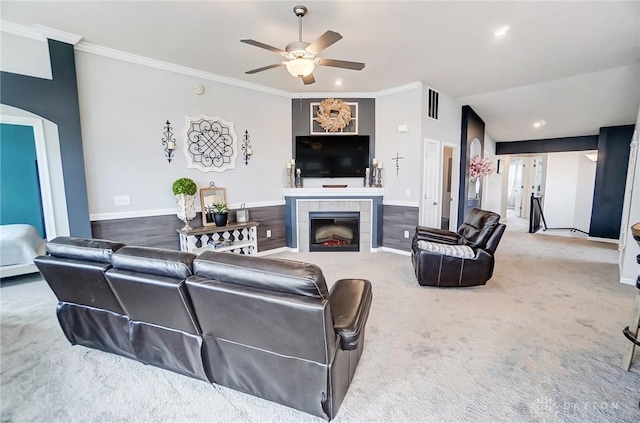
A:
x,y
455,182
43,169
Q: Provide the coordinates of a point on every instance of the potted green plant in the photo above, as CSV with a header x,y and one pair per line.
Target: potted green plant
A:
x,y
184,190
220,214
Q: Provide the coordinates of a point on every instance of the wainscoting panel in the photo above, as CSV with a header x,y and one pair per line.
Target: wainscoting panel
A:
x,y
152,231
160,231
396,220
270,218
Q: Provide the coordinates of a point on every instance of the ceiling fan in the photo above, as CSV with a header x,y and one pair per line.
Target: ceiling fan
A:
x,y
302,56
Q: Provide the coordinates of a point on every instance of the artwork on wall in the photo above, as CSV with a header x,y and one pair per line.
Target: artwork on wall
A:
x,y
397,159
210,143
334,116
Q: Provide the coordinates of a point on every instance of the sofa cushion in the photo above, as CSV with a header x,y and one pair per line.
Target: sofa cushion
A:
x,y
286,276
154,261
462,251
98,250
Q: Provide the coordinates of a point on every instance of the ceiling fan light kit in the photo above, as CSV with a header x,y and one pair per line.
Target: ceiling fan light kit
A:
x,y
301,56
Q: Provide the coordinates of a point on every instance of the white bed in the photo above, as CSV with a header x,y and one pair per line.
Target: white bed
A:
x,y
19,244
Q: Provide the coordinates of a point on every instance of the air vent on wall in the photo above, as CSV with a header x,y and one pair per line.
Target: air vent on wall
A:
x,y
433,104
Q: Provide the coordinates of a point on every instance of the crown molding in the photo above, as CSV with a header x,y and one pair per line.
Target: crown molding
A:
x,y
374,94
159,64
21,30
56,34
399,89
332,94
39,32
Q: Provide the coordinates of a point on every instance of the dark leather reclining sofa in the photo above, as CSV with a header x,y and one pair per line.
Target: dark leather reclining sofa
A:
x,y
266,327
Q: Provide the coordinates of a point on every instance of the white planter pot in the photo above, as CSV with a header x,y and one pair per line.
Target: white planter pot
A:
x,y
186,209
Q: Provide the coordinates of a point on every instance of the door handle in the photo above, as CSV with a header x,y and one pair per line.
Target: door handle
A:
x,y
435,203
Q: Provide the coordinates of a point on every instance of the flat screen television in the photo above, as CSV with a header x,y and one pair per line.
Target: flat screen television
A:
x,y
332,156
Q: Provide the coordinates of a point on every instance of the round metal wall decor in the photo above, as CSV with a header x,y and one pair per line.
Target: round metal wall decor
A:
x,y
210,143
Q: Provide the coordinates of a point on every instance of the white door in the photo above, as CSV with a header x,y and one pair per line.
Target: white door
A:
x,y
430,193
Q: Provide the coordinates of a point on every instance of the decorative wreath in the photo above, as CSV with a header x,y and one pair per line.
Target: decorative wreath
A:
x,y
333,114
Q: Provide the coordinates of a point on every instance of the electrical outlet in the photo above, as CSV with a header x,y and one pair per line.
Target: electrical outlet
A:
x,y
268,233
407,192
406,234
122,200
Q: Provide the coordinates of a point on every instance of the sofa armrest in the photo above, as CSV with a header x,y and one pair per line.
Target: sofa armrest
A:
x,y
442,236
350,301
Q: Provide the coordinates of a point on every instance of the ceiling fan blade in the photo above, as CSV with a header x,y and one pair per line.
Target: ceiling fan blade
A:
x,y
265,46
309,79
324,41
341,64
264,68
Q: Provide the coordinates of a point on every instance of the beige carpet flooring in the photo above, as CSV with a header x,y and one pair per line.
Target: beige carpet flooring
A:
x,y
541,342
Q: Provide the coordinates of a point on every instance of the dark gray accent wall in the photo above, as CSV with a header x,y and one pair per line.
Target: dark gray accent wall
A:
x,y
398,219
301,119
611,178
151,231
160,231
57,100
270,218
472,127
549,145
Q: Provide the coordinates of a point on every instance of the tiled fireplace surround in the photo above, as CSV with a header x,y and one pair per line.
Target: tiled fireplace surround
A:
x,y
301,201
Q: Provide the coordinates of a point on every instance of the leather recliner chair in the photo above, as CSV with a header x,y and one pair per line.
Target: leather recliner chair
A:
x,y
441,262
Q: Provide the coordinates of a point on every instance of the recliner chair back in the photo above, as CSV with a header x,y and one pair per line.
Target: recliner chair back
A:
x,y
477,228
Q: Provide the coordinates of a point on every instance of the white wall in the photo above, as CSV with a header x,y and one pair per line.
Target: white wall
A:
x,y
570,180
492,187
392,110
124,107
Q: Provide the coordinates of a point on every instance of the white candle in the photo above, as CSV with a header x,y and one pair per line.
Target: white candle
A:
x,y
298,170
249,151
375,161
380,165
171,145
366,170
288,165
293,162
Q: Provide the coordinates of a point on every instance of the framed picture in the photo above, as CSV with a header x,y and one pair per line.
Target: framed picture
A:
x,y
500,166
350,129
209,197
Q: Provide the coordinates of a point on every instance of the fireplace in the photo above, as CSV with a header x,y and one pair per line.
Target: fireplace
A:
x,y
334,231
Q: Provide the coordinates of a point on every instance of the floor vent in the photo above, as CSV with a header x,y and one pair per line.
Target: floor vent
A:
x,y
433,104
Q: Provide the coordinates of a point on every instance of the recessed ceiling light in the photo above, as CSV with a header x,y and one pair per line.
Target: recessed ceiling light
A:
x,y
338,82
539,123
501,32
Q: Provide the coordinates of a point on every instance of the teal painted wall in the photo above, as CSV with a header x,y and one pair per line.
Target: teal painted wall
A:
x,y
19,186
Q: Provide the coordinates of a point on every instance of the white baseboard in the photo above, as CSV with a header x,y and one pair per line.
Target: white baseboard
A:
x,y
274,251
628,281
609,240
395,251
17,270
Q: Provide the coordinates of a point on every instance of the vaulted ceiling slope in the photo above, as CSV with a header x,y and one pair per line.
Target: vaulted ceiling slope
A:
x,y
575,65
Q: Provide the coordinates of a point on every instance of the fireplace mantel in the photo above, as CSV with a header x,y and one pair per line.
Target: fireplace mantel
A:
x,y
334,192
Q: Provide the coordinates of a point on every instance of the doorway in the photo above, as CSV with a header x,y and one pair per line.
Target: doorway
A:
x,y
440,179
526,178
447,179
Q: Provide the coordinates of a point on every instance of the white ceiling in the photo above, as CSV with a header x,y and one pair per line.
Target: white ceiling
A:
x,y
574,64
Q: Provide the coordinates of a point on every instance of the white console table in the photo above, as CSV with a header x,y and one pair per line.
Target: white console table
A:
x,y
243,236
